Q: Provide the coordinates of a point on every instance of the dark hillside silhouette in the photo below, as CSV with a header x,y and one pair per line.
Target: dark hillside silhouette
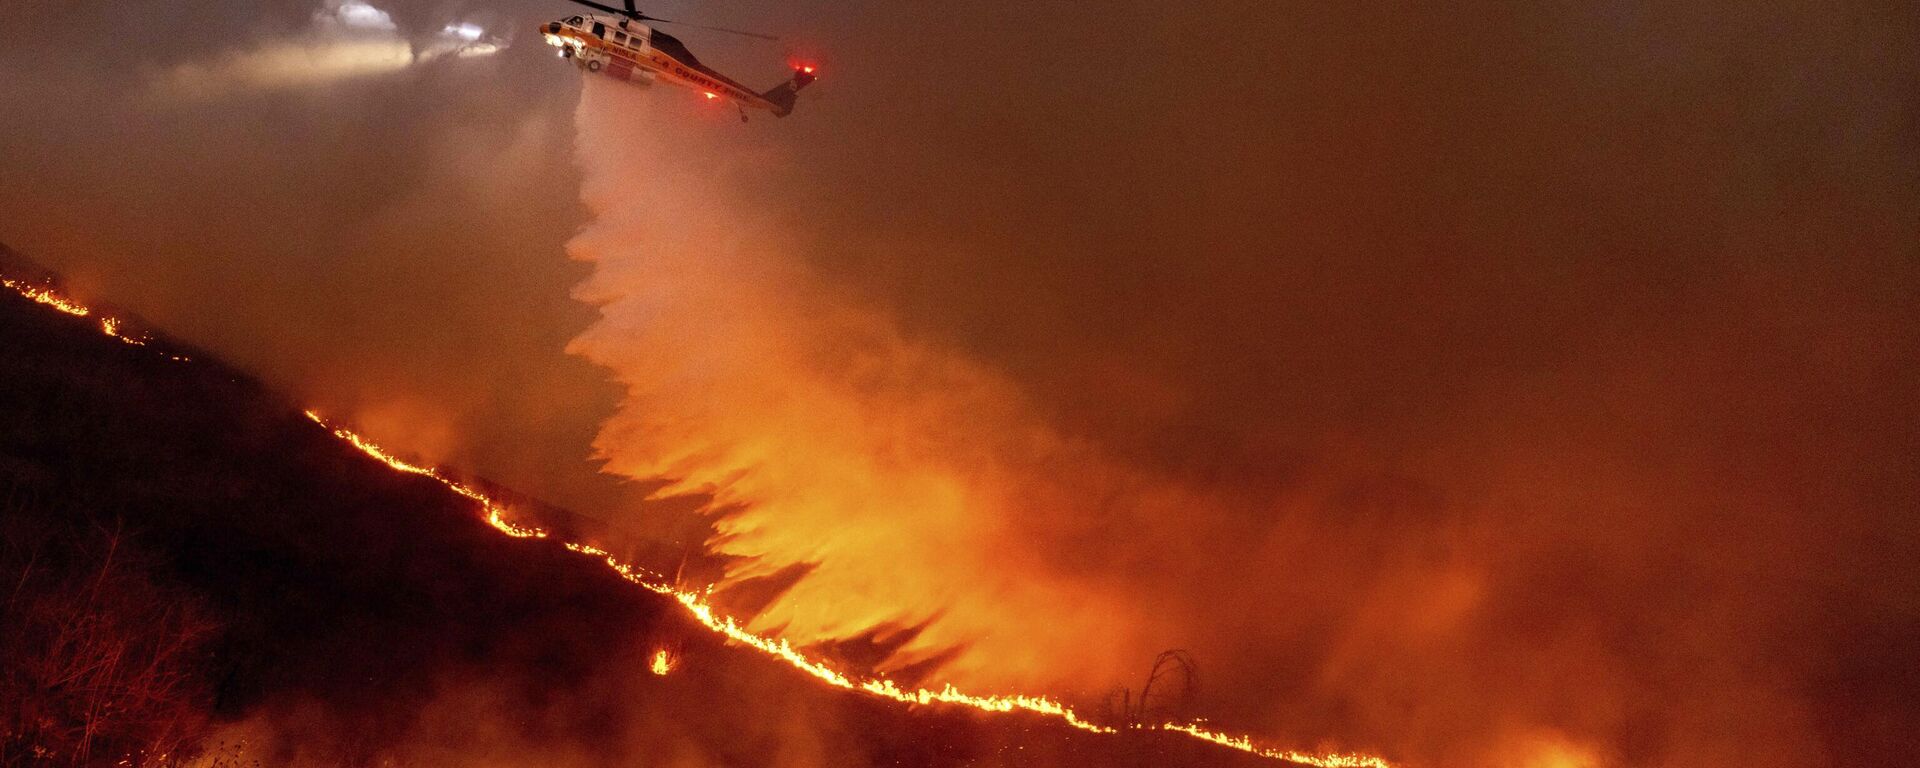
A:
x,y
263,573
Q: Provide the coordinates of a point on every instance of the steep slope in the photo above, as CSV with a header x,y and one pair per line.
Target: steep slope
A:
x,y
354,615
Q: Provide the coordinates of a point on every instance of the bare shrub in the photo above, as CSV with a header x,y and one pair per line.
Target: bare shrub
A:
x,y
101,662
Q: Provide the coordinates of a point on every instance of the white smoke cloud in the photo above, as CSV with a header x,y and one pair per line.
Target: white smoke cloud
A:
x,y
916,484
353,14
347,39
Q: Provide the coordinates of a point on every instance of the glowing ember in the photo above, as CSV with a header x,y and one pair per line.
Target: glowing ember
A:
x,y
703,612
111,327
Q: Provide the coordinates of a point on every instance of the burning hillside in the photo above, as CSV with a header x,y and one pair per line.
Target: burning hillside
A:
x,y
1517,384
293,602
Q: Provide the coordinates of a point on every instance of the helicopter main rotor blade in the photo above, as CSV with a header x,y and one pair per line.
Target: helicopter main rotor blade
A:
x,y
636,15
627,12
740,32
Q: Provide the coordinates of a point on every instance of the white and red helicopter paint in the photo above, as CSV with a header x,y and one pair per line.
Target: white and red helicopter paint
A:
x,y
623,47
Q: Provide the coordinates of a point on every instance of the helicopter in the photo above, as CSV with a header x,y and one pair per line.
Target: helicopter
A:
x,y
625,48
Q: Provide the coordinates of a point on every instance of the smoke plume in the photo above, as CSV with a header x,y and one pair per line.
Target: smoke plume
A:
x,y
1476,384
1411,453
833,444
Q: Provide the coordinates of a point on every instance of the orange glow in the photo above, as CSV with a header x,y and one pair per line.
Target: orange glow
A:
x,y
1552,750
696,606
808,70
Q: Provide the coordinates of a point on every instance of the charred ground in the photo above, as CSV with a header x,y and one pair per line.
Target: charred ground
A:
x,y
194,567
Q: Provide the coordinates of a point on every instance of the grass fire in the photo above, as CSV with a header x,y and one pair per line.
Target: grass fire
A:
x,y
169,747
395,383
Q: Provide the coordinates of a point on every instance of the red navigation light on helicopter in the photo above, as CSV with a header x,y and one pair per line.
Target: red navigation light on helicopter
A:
x,y
803,74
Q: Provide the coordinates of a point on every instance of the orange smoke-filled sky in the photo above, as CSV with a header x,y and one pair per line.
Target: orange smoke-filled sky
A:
x,y
1470,384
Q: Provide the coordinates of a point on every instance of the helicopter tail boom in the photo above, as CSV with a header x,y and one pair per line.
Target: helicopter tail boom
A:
x,y
782,96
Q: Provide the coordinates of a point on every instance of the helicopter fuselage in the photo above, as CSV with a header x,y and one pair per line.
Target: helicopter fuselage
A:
x,y
633,52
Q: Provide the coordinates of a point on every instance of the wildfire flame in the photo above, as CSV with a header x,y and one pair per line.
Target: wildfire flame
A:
x,y
702,611
487,504
113,327
1246,744
49,298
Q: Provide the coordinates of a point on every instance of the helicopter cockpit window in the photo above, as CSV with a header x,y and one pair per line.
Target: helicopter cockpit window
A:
x,y
574,20
672,46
